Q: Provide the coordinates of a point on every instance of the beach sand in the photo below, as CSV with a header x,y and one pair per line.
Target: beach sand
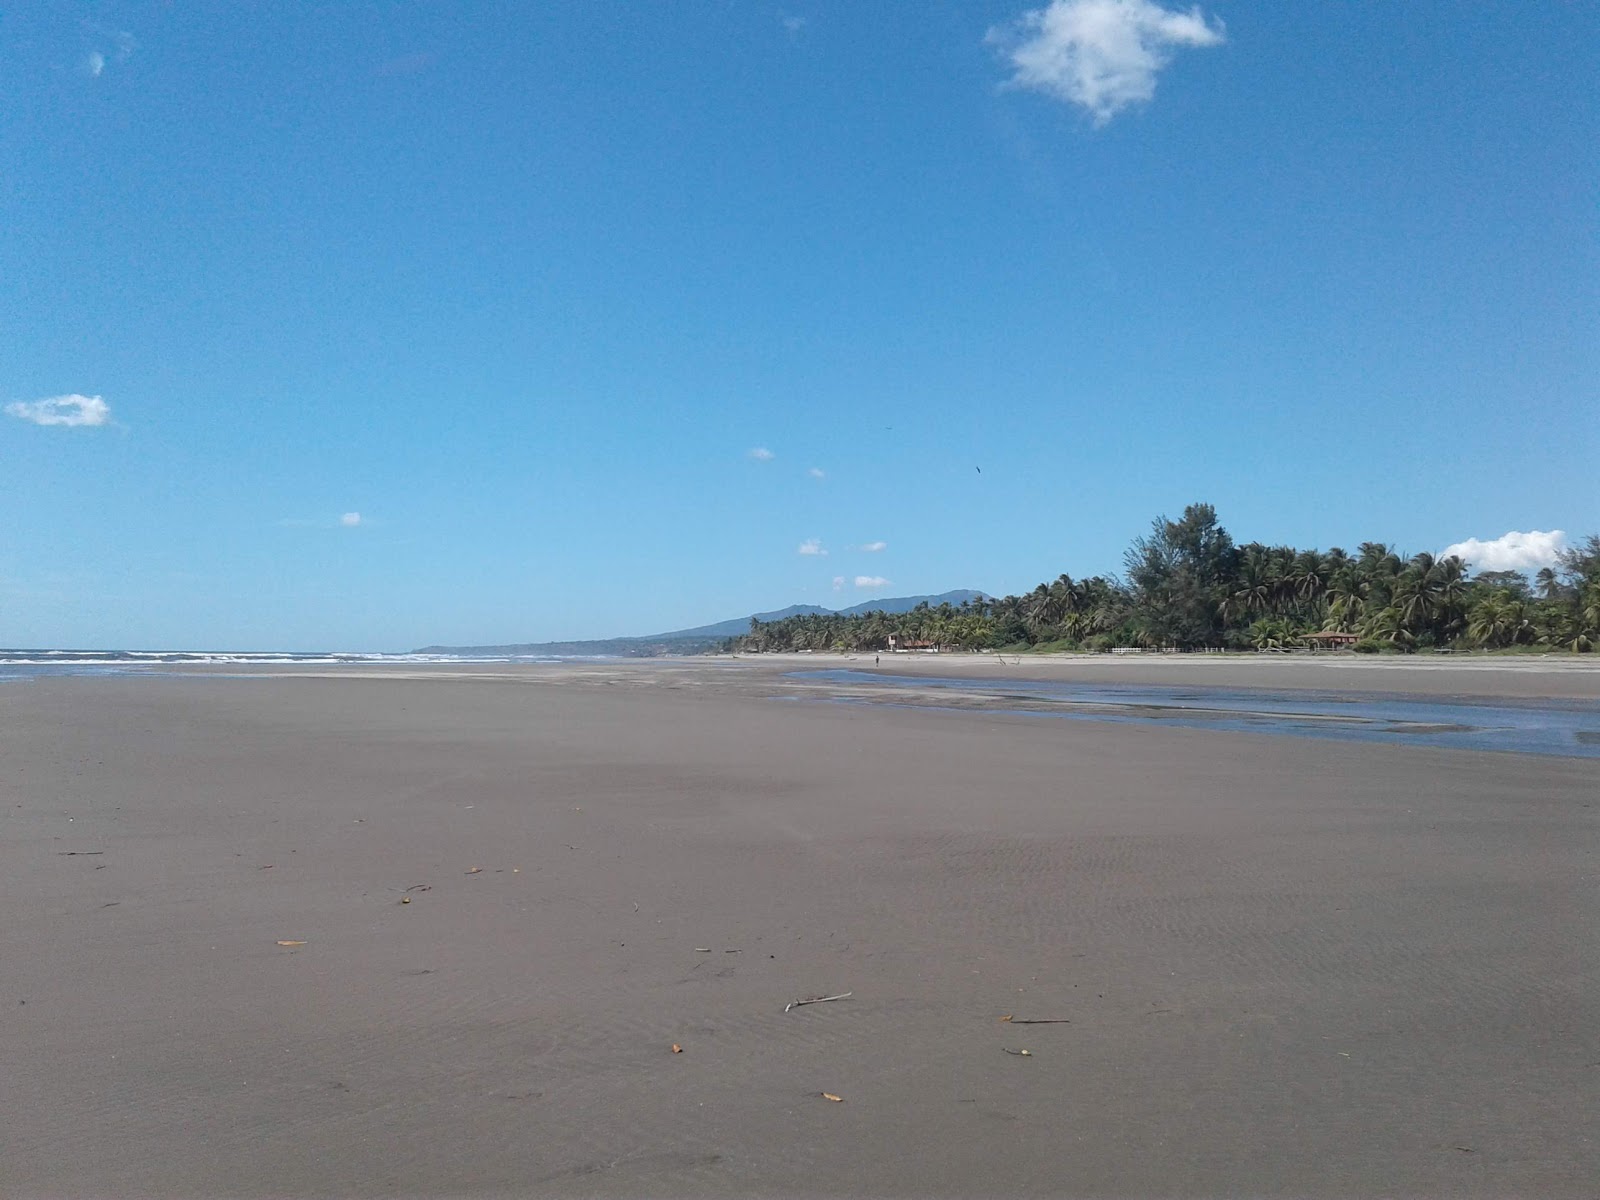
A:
x,y
1289,967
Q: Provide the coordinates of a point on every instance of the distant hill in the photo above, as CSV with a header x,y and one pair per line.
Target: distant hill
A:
x,y
701,637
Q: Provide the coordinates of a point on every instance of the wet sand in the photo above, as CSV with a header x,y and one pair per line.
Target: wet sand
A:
x,y
1289,967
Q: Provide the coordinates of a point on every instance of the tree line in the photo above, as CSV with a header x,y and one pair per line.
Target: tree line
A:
x,y
1187,586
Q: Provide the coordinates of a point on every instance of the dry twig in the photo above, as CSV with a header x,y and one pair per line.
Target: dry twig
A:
x,y
816,1000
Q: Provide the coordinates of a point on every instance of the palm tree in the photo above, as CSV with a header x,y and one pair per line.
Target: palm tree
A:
x,y
1347,599
1308,575
1253,589
1499,620
1388,625
1450,599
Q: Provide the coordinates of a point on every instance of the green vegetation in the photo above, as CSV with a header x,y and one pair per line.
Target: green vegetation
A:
x,y
1188,587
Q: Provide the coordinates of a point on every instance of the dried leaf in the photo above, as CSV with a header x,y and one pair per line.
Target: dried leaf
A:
x,y
831,1096
474,870
677,1049
286,943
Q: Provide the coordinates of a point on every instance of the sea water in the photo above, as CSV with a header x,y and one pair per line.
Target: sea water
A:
x,y
1524,726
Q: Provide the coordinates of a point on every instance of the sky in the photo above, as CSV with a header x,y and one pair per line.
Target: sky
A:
x,y
365,327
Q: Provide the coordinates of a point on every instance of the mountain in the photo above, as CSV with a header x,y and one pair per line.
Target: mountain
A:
x,y
701,637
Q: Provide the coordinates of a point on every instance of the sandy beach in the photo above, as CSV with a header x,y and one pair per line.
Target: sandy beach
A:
x,y
437,931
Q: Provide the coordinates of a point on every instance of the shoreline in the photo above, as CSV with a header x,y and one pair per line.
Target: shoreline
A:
x,y
1487,678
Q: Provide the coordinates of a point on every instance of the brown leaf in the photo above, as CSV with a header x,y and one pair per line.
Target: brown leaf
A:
x,y
677,1049
831,1096
286,943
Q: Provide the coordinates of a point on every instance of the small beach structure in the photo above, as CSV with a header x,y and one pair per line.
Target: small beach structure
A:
x,y
1329,639
900,645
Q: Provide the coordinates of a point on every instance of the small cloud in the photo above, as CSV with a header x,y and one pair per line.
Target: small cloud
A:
x,y
349,520
73,411
1102,55
1511,551
816,472
793,25
110,46
875,547
812,547
762,454
871,581
838,583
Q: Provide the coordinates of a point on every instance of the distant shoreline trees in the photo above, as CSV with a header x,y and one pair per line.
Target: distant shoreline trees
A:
x,y
1187,586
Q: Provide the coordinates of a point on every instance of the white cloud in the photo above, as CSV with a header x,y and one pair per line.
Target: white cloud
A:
x,y
816,472
871,581
875,547
838,583
1102,55
1511,551
112,46
762,454
794,25
73,410
813,548
350,520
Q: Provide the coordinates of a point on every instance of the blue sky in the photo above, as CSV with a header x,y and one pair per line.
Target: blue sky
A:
x,y
525,285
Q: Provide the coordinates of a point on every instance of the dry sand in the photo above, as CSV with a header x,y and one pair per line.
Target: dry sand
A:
x,y
1290,967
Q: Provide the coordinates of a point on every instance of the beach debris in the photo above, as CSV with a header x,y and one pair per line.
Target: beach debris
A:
x,y
831,1096
405,899
285,942
474,870
268,867
1018,1053
702,949
816,1000
79,853
1010,1020
420,887
677,1049
1466,1149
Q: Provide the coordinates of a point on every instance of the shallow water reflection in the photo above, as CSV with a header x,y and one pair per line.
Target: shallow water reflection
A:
x,y
1568,728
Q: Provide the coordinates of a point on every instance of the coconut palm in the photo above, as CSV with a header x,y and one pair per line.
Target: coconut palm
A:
x,y
1499,620
1347,599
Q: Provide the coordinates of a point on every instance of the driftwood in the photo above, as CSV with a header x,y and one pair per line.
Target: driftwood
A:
x,y
816,1000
